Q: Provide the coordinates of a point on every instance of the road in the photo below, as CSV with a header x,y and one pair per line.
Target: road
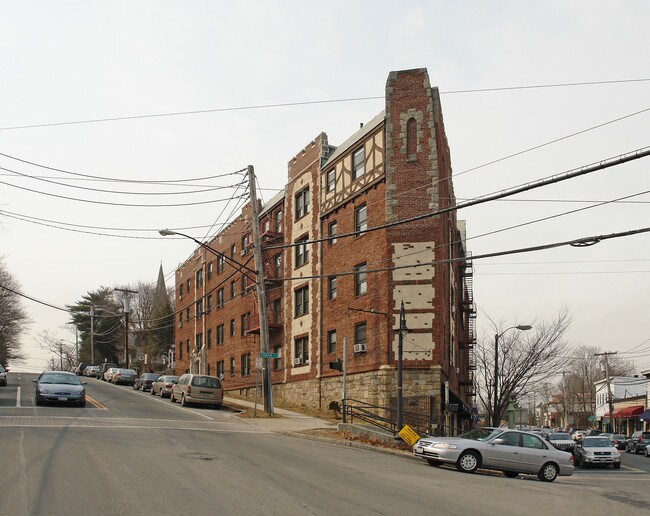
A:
x,y
128,452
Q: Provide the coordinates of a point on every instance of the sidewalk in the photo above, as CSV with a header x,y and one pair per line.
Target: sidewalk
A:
x,y
286,421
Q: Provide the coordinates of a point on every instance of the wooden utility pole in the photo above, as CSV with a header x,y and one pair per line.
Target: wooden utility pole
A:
x,y
610,400
127,309
261,297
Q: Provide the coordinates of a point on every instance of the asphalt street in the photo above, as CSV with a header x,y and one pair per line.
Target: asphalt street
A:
x,y
128,452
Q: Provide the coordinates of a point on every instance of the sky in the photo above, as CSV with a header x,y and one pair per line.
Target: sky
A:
x,y
88,61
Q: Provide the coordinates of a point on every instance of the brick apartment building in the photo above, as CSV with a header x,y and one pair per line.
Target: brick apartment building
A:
x,y
324,287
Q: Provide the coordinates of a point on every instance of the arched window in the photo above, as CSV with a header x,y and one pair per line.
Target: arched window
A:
x,y
411,138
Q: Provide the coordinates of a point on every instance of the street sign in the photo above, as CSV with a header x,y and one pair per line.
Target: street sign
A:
x,y
408,435
268,355
258,364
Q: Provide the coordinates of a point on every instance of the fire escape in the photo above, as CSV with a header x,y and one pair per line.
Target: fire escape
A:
x,y
468,337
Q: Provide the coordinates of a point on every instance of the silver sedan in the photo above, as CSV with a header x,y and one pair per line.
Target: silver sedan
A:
x,y
510,451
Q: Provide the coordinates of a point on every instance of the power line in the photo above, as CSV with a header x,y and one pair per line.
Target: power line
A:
x,y
307,103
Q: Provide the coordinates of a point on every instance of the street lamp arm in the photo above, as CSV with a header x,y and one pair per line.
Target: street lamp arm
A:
x,y
169,232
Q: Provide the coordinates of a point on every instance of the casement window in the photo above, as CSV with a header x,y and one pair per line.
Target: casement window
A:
x,y
360,279
220,369
331,288
199,278
209,338
220,332
232,366
198,341
208,268
332,232
277,362
232,327
360,218
302,252
199,308
220,297
276,311
246,364
220,263
301,301
331,181
245,320
233,289
301,351
278,221
358,163
331,341
302,203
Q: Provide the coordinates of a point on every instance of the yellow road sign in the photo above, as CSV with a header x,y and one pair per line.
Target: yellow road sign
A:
x,y
408,435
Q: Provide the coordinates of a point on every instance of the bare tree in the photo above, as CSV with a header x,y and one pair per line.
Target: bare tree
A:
x,y
526,359
64,353
13,318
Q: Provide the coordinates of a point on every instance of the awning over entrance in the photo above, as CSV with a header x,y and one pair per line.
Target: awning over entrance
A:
x,y
627,412
645,415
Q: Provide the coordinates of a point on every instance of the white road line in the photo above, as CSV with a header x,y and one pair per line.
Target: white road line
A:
x,y
18,396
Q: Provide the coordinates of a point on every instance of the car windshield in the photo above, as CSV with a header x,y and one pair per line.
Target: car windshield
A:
x,y
560,437
62,379
601,442
618,437
172,379
149,376
481,434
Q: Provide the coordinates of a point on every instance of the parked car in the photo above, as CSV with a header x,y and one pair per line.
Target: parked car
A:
x,y
578,435
597,450
105,367
80,369
618,440
510,451
562,441
3,376
59,387
197,388
91,371
647,451
162,386
108,375
144,381
125,376
638,441
593,431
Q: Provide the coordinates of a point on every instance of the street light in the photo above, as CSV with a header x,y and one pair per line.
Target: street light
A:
x,y
522,327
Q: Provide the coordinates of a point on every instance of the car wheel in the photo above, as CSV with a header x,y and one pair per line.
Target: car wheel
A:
x,y
171,398
646,452
217,406
37,401
435,463
617,465
511,474
152,392
82,403
468,462
548,473
183,402
162,394
134,387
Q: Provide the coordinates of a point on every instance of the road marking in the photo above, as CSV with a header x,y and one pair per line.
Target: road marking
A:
x,y
18,396
96,403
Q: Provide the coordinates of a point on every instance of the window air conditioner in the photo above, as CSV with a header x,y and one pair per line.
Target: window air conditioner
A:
x,y
297,361
359,348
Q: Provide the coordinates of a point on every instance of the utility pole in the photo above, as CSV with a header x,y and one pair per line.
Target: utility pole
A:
x,y
127,309
261,296
92,330
61,353
400,354
610,400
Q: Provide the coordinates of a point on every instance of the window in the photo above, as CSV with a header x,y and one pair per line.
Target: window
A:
x,y
510,438
209,339
187,314
233,251
276,308
220,263
244,244
180,320
301,351
220,332
302,252
209,304
331,288
180,350
232,366
360,335
244,323
278,221
233,289
208,369
277,362
180,291
209,269
246,364
532,441
267,226
358,163
360,220
199,308
244,284
220,298
331,181
332,232
277,265
220,369
198,341
187,346
331,341
360,280
302,203
301,298
189,284
232,327
199,278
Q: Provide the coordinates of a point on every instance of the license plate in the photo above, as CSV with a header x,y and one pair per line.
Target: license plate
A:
x,y
418,449
206,395
62,398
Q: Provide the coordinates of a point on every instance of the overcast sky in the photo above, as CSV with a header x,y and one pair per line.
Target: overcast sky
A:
x,y
74,61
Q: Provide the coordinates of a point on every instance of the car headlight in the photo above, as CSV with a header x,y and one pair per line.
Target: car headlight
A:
x,y
446,446
42,390
616,454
